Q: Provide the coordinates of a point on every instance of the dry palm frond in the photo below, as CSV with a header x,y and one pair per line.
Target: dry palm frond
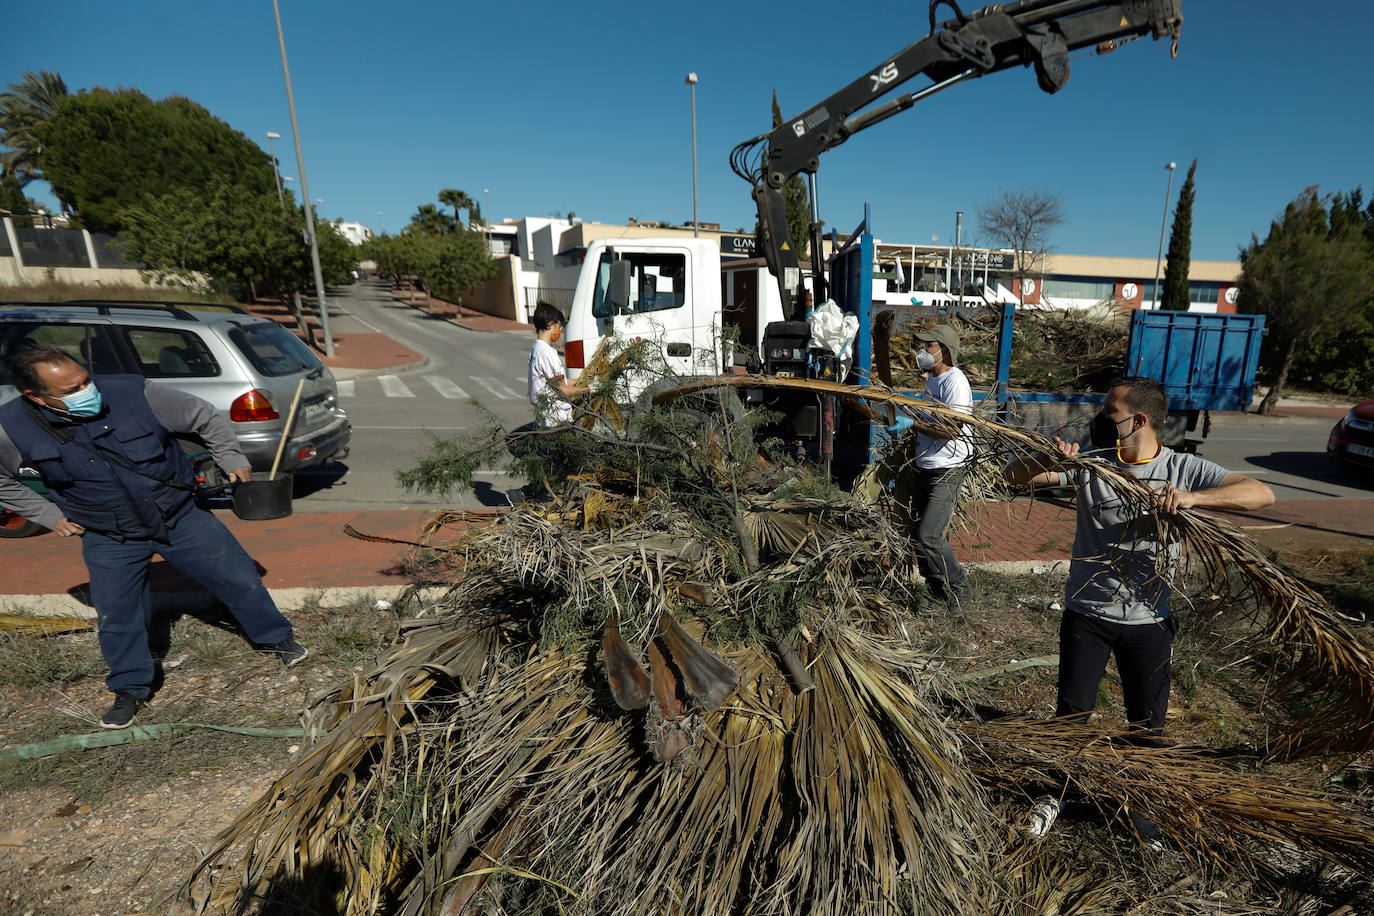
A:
x,y
1052,349
1214,812
810,802
1317,644
606,714
43,625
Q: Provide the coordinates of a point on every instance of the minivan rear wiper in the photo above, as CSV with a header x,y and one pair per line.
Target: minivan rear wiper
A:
x,y
316,372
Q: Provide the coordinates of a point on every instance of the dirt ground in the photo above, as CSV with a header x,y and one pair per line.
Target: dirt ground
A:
x,y
114,831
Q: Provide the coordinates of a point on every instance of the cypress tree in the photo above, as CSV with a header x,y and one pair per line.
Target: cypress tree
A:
x,y
1180,249
797,200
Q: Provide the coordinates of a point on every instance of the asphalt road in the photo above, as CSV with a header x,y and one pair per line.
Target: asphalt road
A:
x,y
395,414
1288,453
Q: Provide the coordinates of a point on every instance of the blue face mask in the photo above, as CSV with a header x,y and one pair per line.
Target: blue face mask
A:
x,y
84,403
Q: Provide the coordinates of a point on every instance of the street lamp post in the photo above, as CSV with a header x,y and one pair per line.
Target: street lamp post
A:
x,y
486,217
305,191
692,81
1164,222
276,173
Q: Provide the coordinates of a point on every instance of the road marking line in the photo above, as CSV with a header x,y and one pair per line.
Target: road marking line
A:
x,y
446,387
495,387
346,388
393,387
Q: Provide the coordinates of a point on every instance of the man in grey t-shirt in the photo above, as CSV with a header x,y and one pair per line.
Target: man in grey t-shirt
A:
x,y
1117,597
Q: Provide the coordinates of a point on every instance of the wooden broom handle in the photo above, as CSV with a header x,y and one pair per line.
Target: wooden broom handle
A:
x,y
286,430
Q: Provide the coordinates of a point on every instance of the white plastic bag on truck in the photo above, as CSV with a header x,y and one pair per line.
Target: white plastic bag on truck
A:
x,y
834,330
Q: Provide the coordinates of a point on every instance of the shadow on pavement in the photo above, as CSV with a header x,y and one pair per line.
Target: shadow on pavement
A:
x,y
1313,466
490,496
313,480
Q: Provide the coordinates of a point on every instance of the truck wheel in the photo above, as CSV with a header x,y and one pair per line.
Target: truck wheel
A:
x,y
14,525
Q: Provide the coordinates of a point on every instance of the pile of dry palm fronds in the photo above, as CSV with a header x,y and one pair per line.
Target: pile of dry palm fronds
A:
x,y
1052,349
698,684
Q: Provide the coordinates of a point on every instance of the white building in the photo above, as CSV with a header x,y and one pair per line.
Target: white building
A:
x,y
356,233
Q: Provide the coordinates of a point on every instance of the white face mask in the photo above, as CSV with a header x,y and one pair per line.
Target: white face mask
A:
x,y
925,360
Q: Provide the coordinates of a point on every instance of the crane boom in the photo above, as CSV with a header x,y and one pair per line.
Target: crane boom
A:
x,y
1036,33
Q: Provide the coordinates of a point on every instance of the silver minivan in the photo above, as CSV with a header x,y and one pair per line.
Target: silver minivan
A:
x,y
248,367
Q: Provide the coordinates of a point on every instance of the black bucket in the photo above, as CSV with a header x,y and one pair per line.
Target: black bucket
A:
x,y
260,499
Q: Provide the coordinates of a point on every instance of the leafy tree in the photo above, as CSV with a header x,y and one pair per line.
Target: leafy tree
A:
x,y
236,239
1180,249
448,264
12,196
1023,221
1312,279
28,104
105,151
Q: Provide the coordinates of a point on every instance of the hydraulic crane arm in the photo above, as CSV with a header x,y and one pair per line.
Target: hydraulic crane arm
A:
x,y
1037,33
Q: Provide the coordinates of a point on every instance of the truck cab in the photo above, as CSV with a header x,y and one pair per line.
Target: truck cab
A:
x,y
676,292
663,290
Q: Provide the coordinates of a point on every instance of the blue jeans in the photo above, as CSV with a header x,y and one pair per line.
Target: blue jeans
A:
x,y
199,545
925,498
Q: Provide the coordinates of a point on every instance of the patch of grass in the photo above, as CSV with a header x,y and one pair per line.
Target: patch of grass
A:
x,y
353,632
36,661
206,644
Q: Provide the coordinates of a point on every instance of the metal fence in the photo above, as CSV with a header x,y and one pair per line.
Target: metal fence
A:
x,y
109,252
52,247
559,298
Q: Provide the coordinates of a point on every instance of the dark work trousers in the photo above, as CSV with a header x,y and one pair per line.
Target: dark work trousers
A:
x,y
199,545
1142,659
927,506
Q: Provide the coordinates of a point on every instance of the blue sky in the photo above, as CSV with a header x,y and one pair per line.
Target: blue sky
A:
x,y
558,107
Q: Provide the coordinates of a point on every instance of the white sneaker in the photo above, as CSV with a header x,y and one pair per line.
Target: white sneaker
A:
x,y
1042,815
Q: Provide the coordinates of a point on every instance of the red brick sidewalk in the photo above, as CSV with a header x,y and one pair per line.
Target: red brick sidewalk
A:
x,y
303,550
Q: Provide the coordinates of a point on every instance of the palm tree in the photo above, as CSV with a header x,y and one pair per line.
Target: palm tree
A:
x,y
29,103
428,220
458,200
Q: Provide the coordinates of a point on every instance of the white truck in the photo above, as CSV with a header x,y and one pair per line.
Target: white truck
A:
x,y
674,291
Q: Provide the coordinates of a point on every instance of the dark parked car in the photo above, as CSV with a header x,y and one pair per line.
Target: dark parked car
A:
x,y
1352,441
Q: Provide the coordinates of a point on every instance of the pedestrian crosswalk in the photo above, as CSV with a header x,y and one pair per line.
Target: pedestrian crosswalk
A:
x,y
482,387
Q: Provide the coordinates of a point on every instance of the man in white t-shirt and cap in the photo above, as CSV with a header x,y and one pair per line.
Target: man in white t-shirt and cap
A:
x,y
928,486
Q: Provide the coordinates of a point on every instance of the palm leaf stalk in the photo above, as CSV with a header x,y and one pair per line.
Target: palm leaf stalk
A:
x,y
1313,640
1213,811
789,801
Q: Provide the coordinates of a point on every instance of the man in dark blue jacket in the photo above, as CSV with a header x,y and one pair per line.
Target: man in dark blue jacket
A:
x,y
120,481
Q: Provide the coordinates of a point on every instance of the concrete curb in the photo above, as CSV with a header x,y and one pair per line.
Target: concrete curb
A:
x,y
198,602
288,599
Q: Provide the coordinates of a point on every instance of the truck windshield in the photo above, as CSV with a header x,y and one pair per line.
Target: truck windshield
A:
x,y
658,281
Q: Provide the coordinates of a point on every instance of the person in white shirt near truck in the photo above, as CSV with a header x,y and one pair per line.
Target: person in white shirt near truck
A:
x,y
928,487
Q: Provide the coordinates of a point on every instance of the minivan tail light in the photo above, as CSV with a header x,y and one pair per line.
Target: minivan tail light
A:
x,y
572,352
252,406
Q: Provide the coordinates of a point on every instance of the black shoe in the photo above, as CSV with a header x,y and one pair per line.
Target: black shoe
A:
x,y
290,652
122,711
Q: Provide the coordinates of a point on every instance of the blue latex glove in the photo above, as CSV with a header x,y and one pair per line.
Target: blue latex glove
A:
x,y
900,425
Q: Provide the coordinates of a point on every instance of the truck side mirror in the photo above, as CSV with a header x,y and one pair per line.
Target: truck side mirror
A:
x,y
618,289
